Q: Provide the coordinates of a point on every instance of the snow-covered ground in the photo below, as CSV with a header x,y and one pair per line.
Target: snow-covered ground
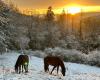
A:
x,y
36,70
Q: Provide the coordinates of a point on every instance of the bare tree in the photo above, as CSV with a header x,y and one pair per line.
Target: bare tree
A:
x,y
23,42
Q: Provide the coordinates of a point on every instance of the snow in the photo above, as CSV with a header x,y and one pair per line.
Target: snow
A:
x,y
36,70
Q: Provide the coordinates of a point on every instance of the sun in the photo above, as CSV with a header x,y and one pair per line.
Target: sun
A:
x,y
74,10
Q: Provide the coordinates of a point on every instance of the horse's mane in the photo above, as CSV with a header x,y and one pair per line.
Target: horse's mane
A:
x,y
16,65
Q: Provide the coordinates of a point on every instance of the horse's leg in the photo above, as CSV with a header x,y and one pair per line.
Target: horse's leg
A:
x,y
53,69
19,69
27,68
57,69
22,68
46,67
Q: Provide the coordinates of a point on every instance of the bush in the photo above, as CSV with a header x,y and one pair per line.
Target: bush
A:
x,y
66,55
93,58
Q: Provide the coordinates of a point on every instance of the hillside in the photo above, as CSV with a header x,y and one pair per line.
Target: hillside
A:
x,y
36,72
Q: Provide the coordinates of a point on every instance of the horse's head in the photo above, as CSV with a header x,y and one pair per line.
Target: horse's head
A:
x,y
63,71
16,68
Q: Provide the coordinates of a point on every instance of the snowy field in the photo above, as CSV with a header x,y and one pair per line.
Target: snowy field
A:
x,y
36,71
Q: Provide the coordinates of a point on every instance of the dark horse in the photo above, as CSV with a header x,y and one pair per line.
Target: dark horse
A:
x,y
22,62
54,61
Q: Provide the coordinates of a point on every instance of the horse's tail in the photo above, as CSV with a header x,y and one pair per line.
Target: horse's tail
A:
x,y
45,65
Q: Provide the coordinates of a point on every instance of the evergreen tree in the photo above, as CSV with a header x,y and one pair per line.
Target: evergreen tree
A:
x,y
50,14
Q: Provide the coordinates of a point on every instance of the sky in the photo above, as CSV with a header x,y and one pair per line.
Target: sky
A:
x,y
43,4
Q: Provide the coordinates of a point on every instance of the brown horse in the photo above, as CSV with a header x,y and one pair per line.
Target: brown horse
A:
x,y
22,61
54,61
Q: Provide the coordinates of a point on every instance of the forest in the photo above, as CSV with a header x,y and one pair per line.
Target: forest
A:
x,y
50,33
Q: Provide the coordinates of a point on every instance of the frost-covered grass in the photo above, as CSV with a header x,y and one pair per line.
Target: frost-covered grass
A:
x,y
36,70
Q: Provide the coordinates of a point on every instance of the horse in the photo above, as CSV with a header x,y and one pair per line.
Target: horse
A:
x,y
22,62
54,61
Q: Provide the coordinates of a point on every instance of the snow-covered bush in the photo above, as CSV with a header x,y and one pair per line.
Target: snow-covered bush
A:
x,y
94,58
67,55
72,55
72,42
36,53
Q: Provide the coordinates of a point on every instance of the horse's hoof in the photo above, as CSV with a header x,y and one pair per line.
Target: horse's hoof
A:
x,y
19,72
26,72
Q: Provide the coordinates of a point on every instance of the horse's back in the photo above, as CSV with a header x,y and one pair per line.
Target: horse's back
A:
x,y
22,59
52,60
26,58
19,60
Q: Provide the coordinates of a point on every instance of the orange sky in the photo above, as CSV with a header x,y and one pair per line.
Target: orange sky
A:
x,y
58,5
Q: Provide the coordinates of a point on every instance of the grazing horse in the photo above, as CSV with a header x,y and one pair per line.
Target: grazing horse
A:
x,y
22,62
54,61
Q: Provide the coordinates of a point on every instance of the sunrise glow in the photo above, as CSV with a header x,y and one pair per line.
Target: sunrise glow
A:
x,y
71,7
74,10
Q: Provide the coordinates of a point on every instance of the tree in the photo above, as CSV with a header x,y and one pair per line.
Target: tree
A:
x,y
62,21
4,29
23,42
50,14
